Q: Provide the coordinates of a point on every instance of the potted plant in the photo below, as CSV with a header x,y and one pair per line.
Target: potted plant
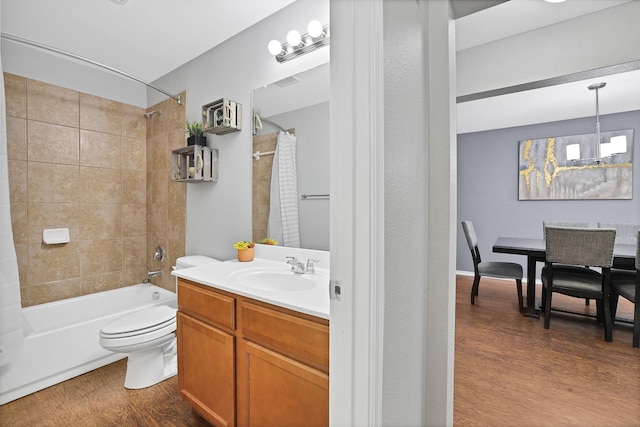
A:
x,y
245,250
196,133
268,241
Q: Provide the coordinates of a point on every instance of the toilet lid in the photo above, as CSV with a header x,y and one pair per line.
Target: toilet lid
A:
x,y
140,321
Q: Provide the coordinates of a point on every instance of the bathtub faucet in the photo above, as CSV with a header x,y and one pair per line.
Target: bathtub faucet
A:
x,y
151,274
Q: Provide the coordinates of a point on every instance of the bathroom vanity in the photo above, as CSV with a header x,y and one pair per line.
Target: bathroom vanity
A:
x,y
244,357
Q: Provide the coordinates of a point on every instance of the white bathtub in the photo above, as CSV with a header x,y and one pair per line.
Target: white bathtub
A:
x,y
62,341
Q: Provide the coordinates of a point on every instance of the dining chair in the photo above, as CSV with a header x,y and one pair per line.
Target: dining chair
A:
x,y
625,233
495,269
627,284
568,251
572,224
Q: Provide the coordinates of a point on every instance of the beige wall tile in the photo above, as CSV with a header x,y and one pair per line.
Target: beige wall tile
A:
x,y
52,104
134,258
22,253
54,291
102,282
160,153
159,219
134,187
134,220
16,138
53,215
100,221
101,150
160,186
100,114
176,222
100,256
134,125
49,263
18,188
53,183
52,143
19,223
134,153
15,93
99,185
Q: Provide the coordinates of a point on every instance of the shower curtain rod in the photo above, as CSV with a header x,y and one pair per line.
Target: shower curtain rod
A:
x,y
178,98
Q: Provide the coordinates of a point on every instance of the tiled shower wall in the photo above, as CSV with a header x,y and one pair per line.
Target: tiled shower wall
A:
x,y
165,199
76,161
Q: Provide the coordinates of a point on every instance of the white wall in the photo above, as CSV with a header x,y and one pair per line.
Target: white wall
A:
x,y
609,37
46,67
419,210
219,214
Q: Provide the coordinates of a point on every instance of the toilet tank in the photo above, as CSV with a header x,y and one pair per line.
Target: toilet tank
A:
x,y
193,261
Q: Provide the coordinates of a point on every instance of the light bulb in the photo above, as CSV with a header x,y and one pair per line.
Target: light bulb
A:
x,y
274,47
315,28
293,38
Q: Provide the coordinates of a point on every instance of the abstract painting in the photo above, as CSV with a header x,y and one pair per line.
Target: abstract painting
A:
x,y
545,173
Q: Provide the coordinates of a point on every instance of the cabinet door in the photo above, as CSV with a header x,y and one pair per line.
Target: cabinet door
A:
x,y
274,390
206,374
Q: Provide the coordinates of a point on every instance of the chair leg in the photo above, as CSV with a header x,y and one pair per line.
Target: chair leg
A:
x,y
474,289
547,308
636,326
613,303
599,312
586,301
519,289
608,337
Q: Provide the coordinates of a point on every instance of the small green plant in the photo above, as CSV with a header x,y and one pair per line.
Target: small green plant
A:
x,y
243,245
268,241
194,128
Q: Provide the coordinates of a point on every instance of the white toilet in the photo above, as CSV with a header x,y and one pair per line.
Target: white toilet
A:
x,y
149,337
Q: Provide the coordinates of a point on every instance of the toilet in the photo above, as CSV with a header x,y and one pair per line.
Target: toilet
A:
x,y
149,337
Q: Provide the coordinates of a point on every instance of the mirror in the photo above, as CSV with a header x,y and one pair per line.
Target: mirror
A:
x,y
300,105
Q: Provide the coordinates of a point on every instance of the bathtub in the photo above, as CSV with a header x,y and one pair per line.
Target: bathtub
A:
x,y
61,337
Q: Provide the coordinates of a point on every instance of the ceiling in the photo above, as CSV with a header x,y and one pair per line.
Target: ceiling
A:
x,y
145,38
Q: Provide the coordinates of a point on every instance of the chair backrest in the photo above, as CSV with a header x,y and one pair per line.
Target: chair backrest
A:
x,y
625,233
638,252
570,224
472,241
580,246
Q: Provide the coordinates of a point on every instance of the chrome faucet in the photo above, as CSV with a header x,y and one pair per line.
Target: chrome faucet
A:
x,y
299,268
296,266
151,274
311,269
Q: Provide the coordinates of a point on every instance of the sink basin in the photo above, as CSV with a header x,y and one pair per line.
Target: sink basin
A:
x,y
274,280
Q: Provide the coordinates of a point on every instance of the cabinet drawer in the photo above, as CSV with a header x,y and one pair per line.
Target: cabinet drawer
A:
x,y
206,304
300,339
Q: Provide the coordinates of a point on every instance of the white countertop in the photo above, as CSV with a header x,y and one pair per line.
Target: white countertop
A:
x,y
314,301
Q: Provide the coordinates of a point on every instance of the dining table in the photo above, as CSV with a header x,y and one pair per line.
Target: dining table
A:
x,y
624,256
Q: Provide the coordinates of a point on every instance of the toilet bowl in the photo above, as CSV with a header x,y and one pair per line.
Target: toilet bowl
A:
x,y
149,338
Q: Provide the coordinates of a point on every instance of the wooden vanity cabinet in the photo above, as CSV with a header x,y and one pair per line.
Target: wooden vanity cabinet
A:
x,y
269,363
206,352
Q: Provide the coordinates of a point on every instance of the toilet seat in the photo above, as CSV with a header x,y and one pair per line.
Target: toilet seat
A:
x,y
140,326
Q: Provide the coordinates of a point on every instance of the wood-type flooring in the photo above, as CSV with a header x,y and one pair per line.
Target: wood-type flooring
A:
x,y
509,371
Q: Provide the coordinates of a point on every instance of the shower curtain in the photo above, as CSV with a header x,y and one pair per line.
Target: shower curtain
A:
x,y
11,336
283,212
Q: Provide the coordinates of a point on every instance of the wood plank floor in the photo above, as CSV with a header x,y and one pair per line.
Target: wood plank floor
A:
x,y
509,371
99,399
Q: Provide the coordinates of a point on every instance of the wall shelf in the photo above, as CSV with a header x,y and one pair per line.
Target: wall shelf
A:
x,y
194,163
222,116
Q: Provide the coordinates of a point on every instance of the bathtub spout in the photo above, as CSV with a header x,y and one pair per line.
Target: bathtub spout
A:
x,y
151,274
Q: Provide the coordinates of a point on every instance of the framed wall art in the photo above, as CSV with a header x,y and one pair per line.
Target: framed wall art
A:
x,y
571,167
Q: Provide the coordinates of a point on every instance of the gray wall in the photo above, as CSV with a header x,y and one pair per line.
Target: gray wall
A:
x,y
312,132
488,186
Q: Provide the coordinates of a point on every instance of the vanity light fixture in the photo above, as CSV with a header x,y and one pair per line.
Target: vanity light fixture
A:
x,y
316,37
616,145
